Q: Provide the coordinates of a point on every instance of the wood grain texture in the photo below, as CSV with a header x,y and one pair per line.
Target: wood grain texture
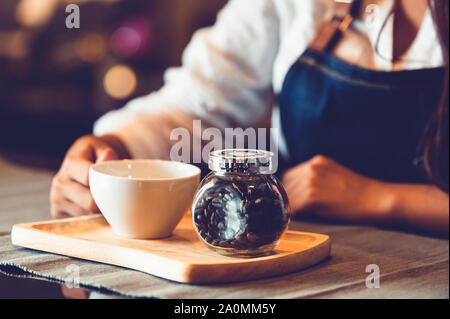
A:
x,y
24,194
180,257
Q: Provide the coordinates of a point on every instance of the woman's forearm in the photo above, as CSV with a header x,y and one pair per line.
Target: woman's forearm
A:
x,y
329,189
423,207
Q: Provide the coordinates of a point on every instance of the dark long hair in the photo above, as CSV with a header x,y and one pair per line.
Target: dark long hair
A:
x,y
436,138
436,159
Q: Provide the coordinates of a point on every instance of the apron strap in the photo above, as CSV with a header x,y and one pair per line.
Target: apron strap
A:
x,y
343,16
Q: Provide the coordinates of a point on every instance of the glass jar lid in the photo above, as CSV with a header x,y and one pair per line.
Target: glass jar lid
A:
x,y
241,161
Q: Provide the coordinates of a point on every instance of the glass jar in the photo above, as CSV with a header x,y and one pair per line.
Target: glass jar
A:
x,y
240,208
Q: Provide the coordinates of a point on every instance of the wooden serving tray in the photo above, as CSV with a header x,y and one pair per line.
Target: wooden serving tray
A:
x,y
181,257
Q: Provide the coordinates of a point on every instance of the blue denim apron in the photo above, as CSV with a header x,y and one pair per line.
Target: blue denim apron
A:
x,y
369,121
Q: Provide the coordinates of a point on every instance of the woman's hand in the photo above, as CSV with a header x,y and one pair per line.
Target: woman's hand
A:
x,y
75,293
324,187
70,194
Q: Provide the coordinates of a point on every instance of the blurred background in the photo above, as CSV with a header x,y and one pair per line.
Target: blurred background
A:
x,y
54,81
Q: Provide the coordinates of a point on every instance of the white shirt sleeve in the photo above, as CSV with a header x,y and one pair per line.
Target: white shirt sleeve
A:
x,y
225,78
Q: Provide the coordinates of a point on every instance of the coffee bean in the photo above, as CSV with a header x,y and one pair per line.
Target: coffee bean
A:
x,y
259,200
215,242
217,202
249,206
199,218
253,238
224,244
209,239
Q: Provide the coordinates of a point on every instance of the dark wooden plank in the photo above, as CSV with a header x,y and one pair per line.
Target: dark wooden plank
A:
x,y
24,194
429,282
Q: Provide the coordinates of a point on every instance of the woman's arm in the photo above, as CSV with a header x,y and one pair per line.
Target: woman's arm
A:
x,y
420,206
225,80
329,189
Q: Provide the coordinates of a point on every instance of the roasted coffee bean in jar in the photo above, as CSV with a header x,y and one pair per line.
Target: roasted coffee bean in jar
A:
x,y
240,208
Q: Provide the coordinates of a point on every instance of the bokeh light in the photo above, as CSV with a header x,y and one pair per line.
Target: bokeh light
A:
x,y
132,37
91,47
120,82
34,13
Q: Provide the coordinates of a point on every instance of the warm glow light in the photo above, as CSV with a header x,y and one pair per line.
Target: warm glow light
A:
x,y
91,47
33,13
14,44
120,82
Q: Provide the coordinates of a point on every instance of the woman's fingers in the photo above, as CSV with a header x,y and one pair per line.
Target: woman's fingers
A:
x,y
72,209
79,194
70,194
65,208
294,177
75,293
68,197
77,169
107,154
304,182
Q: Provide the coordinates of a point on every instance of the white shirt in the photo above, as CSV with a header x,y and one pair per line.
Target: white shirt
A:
x,y
231,71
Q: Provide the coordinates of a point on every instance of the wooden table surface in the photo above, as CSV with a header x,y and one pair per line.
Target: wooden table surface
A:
x,y
410,265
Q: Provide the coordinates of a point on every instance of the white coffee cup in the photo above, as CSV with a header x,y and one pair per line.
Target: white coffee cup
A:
x,y
143,199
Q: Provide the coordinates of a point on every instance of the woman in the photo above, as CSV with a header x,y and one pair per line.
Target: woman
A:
x,y
363,110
